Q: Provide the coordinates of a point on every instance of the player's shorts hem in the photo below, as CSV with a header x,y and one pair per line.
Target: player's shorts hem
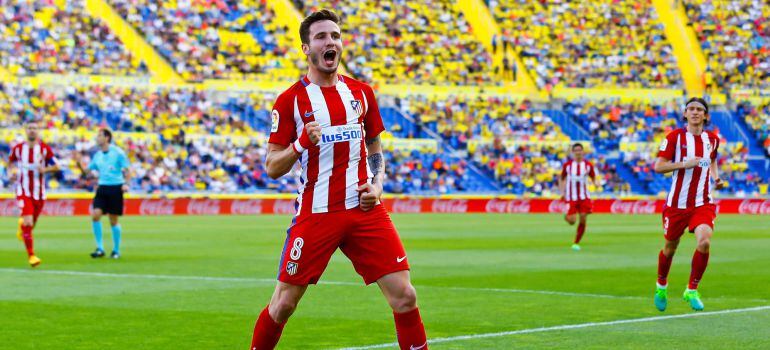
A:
x,y
295,283
383,274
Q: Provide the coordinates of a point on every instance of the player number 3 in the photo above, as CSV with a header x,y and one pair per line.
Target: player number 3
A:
x,y
296,249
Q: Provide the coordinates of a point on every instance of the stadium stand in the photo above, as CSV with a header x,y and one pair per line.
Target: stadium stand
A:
x,y
586,44
735,38
418,42
40,37
216,39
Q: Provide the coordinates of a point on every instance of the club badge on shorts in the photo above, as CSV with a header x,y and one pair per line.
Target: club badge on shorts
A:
x,y
291,268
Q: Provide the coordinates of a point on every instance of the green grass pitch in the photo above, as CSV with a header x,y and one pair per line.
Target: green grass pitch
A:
x,y
475,275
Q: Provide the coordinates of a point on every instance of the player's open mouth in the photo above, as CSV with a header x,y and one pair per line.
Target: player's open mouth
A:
x,y
329,57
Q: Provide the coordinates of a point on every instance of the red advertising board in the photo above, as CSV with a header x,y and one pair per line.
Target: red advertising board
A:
x,y
210,206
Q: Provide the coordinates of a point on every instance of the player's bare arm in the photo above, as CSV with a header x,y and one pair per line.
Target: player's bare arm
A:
x,y
280,159
371,193
126,180
663,165
714,168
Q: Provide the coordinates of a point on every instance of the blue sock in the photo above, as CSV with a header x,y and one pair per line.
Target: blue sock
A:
x,y
116,237
97,225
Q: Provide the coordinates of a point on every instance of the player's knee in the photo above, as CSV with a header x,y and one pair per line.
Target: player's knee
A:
x,y
405,300
704,244
282,308
570,219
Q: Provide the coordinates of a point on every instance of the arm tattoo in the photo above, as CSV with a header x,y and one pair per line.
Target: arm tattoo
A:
x,y
376,164
370,142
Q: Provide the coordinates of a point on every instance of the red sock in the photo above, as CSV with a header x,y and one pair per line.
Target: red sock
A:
x,y
664,265
410,331
266,332
26,233
580,230
699,263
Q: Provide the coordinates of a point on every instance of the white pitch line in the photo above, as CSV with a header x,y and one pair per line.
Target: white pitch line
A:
x,y
569,327
336,283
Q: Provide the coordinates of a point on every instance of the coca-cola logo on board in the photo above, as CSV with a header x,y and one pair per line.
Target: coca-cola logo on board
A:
x,y
508,206
633,207
558,206
754,207
450,206
407,206
9,207
156,207
59,207
246,207
203,207
284,206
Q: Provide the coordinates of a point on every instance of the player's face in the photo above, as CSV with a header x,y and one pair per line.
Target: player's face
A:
x,y
325,46
577,153
101,140
695,115
32,132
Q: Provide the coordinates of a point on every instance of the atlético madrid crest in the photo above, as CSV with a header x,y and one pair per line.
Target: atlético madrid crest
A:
x,y
357,106
291,268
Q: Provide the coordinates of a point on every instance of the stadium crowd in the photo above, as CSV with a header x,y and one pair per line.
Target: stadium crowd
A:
x,y
735,37
40,37
216,39
584,44
398,41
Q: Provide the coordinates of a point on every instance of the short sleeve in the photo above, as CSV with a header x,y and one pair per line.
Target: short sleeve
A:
x,y
667,147
123,160
50,157
592,171
283,130
564,171
372,120
714,151
13,158
92,164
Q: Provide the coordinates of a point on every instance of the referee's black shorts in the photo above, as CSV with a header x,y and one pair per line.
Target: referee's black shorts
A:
x,y
109,198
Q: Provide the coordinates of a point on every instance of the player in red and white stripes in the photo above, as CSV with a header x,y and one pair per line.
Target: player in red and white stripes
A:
x,y
31,160
331,124
691,154
573,185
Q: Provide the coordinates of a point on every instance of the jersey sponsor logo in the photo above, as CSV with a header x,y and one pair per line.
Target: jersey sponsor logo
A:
x,y
704,163
357,106
291,268
663,145
341,133
276,120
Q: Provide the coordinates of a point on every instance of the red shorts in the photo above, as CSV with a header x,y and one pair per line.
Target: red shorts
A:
x,y
29,206
675,220
583,206
368,239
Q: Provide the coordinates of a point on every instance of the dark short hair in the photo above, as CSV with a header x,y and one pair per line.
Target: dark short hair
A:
x,y
322,15
107,133
701,101
578,144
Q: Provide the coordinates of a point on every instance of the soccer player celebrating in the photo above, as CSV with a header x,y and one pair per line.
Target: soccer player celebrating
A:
x,y
331,124
110,165
31,160
573,185
691,154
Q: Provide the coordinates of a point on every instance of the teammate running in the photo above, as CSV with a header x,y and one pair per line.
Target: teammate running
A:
x,y
691,154
573,185
31,160
331,124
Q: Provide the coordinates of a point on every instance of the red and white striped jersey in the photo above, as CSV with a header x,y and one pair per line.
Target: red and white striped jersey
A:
x,y
690,188
332,170
30,160
576,176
